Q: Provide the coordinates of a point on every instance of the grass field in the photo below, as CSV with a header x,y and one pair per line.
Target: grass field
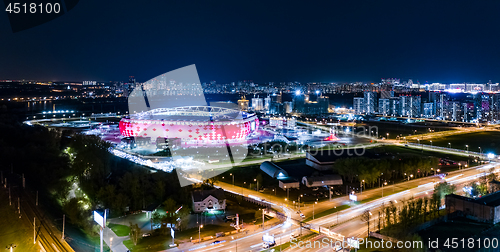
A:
x,y
489,141
120,230
154,243
396,129
405,150
328,212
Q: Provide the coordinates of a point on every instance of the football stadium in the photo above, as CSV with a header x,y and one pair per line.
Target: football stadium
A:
x,y
191,125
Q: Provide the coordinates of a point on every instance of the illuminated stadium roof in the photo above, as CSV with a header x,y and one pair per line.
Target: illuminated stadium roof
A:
x,y
192,124
192,113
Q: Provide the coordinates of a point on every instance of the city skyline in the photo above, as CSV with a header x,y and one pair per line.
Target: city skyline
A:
x,y
445,41
250,126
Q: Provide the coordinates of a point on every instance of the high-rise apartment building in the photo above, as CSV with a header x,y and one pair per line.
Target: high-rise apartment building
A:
x,y
410,105
257,104
359,105
384,107
428,109
370,102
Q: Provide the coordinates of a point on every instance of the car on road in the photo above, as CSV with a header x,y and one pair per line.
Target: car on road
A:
x,y
216,242
302,215
295,235
146,235
268,245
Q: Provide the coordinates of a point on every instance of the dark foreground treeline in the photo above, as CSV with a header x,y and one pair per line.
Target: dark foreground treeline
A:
x,y
79,173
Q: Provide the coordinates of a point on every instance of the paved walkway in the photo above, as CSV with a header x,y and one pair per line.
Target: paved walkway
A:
x,y
114,242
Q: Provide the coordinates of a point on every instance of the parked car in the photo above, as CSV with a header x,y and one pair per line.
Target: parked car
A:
x,y
146,235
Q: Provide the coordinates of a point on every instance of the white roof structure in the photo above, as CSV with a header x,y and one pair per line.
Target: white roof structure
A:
x,y
325,180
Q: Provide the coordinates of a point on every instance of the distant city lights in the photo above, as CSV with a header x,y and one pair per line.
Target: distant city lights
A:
x,y
58,111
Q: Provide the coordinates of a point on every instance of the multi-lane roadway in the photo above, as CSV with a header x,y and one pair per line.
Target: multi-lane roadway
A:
x,y
348,222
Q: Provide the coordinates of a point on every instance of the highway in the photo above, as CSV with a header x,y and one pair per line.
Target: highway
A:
x,y
424,186
251,242
350,224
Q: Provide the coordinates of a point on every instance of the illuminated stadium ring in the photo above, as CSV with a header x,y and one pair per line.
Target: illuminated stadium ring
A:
x,y
204,125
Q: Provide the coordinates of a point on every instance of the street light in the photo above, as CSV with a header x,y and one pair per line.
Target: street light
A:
x,y
230,174
361,186
299,200
337,216
199,233
449,144
467,148
387,135
431,143
385,183
313,208
263,218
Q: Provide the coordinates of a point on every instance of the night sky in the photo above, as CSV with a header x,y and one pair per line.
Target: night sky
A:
x,y
435,41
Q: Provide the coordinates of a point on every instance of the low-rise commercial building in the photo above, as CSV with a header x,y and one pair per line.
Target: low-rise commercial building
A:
x,y
484,209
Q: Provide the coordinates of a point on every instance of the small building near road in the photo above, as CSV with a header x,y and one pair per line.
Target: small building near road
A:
x,y
484,209
288,183
208,200
323,180
273,170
